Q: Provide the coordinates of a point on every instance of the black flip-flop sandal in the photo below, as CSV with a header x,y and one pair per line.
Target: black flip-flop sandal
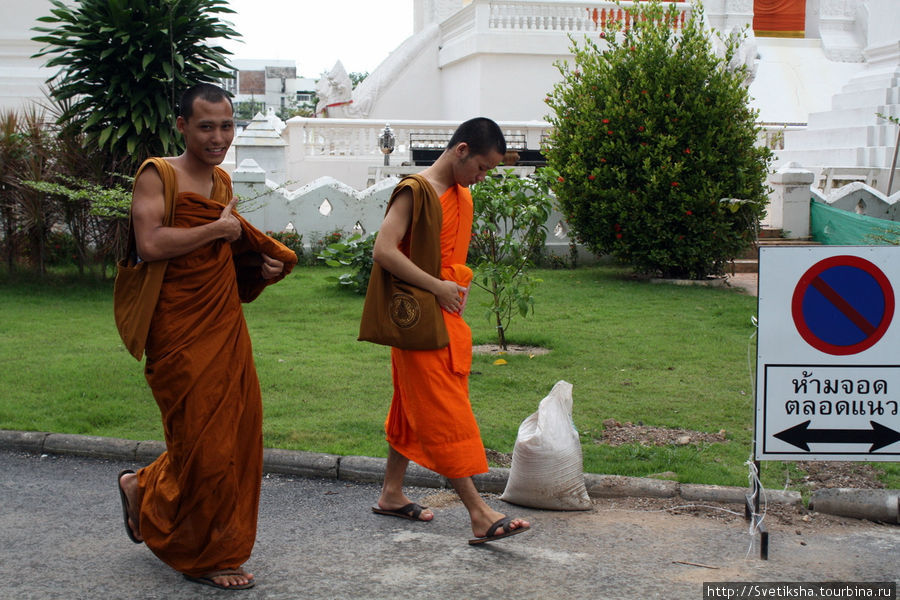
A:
x,y
208,580
411,511
124,499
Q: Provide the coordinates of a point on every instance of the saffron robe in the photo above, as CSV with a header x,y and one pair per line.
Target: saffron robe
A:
x,y
430,420
199,500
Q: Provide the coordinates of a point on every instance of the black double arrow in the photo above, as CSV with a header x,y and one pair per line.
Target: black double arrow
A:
x,y
801,436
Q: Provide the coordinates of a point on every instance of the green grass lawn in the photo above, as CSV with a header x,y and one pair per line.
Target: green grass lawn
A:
x,y
661,355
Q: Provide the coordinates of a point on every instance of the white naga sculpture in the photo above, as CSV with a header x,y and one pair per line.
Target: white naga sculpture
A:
x,y
335,92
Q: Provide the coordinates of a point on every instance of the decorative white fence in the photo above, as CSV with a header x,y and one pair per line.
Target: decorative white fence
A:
x,y
553,17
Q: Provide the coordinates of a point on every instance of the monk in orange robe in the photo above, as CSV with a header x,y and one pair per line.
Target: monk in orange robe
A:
x,y
196,506
430,420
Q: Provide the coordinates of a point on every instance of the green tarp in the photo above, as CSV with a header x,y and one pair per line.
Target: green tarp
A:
x,y
835,227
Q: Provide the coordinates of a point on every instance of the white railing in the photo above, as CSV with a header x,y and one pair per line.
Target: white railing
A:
x,y
347,138
543,16
772,134
567,17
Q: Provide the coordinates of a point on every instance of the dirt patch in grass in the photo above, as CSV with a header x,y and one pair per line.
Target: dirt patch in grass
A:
x,y
820,474
616,434
816,474
511,349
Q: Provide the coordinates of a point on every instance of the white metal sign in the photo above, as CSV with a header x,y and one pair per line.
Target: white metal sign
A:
x,y
828,368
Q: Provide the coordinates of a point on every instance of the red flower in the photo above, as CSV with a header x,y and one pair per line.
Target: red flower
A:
x,y
560,179
643,91
618,236
687,150
591,177
605,121
688,212
633,48
603,160
603,34
680,237
643,143
609,132
674,184
641,128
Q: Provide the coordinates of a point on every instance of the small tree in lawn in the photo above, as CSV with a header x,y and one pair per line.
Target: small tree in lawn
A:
x,y
655,146
509,232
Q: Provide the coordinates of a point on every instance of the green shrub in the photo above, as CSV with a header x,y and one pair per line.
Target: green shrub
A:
x,y
653,138
354,253
121,66
291,239
320,241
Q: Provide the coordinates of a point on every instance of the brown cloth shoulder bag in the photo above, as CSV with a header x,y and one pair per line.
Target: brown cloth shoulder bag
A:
x,y
138,282
397,313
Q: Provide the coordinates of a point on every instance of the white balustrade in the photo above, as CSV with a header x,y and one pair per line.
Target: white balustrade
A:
x,y
563,17
349,138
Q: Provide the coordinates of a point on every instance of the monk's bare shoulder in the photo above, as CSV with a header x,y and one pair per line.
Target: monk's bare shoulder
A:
x,y
148,201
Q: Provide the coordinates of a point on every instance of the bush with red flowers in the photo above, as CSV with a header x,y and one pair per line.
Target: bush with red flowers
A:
x,y
655,145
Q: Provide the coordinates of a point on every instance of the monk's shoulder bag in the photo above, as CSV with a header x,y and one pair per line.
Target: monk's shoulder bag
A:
x,y
137,285
397,313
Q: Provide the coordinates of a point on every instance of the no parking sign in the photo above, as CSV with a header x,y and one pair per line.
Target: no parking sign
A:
x,y
828,369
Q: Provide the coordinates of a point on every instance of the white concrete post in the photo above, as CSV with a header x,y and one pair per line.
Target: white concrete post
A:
x,y
249,179
788,208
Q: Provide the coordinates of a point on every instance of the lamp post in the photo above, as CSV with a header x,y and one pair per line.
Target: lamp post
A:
x,y
386,142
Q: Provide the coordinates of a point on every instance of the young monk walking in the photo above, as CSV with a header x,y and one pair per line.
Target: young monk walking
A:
x,y
430,420
196,506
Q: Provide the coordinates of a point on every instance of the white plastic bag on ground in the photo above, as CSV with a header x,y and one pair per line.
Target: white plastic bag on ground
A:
x,y
547,467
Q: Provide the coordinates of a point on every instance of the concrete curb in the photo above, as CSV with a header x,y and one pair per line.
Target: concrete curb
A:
x,y
876,506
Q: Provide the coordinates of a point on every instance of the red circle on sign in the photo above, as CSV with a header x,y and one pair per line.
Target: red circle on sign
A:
x,y
812,274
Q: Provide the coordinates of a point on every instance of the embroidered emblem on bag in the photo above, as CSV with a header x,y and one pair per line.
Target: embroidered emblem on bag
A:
x,y
404,310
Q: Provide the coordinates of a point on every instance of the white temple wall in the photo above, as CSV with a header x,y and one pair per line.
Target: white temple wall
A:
x,y
21,77
414,94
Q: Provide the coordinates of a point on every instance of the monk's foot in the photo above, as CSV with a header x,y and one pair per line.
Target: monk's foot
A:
x,y
128,485
494,525
235,579
403,507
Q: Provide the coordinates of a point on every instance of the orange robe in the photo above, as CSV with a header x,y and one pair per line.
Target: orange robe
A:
x,y
430,420
199,500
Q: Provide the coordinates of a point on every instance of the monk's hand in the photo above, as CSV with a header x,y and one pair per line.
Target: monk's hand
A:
x,y
271,267
228,223
450,296
464,300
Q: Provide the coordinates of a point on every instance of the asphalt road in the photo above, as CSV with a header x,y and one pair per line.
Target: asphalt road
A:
x,y
61,536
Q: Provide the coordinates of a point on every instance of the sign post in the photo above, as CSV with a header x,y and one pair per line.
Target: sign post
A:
x,y
828,372
828,369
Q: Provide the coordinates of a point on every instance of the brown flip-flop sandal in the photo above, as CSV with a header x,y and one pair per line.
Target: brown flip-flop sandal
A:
x,y
493,535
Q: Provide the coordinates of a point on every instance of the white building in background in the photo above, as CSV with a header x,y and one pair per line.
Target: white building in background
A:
x,y
21,77
273,83
835,66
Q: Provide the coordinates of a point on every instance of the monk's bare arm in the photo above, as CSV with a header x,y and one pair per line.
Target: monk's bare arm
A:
x,y
387,254
157,242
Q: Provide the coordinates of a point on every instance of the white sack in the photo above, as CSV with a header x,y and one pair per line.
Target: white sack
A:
x,y
547,467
